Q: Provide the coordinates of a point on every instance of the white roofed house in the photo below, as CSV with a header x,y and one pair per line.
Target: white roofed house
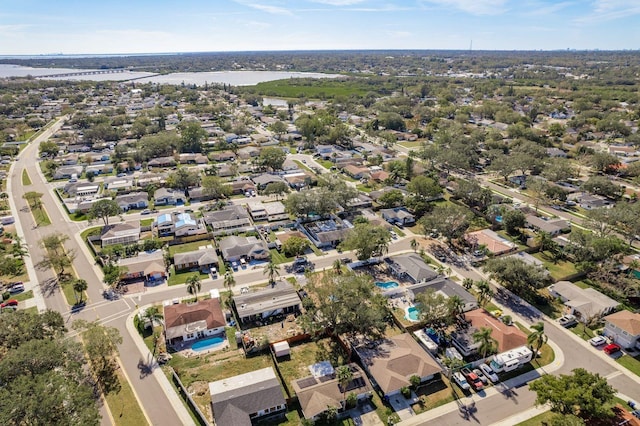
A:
x,y
280,299
584,303
165,196
120,233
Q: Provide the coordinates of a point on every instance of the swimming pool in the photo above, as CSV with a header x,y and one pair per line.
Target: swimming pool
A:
x,y
499,219
386,285
206,344
412,314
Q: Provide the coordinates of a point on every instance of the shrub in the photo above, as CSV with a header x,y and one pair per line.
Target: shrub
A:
x,y
406,392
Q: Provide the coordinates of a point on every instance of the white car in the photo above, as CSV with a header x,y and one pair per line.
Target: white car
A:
x,y
461,381
597,341
480,375
491,375
567,321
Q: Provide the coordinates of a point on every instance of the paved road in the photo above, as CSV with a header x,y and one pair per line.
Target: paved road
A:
x,y
158,408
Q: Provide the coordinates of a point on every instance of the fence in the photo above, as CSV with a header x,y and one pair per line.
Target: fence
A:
x,y
202,419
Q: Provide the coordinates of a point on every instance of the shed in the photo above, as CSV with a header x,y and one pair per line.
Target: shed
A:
x,y
281,348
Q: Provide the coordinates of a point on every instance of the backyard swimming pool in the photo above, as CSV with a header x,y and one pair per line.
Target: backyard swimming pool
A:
x,y
412,314
386,285
206,344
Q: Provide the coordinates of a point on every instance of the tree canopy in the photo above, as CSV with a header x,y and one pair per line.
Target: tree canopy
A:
x,y
367,240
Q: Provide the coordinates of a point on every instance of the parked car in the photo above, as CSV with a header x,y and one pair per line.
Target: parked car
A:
x,y
16,287
597,341
345,260
481,376
612,348
9,303
394,235
567,321
472,378
488,371
461,381
496,313
145,212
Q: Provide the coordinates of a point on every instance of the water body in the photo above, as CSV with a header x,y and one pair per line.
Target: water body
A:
x,y
234,78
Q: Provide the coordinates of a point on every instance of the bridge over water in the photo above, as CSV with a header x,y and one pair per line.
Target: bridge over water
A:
x,y
73,74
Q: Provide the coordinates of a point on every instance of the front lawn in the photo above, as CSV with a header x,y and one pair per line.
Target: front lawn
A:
x,y
279,258
433,395
182,277
193,246
559,270
630,363
23,296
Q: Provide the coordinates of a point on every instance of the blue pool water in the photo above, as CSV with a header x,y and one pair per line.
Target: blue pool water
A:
x,y
499,219
412,314
205,344
386,285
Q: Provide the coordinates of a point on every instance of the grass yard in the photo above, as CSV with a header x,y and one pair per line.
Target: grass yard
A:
x,y
182,277
208,368
146,222
411,144
305,354
630,363
195,245
23,296
558,270
279,258
124,406
540,419
32,310
26,180
325,163
433,395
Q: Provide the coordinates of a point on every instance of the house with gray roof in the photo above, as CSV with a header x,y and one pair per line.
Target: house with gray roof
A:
x,y
325,233
133,200
410,267
584,303
243,399
66,172
279,299
161,162
398,216
202,260
551,226
446,287
231,218
234,247
120,233
261,181
168,196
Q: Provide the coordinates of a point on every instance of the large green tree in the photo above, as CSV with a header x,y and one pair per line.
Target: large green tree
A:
x,y
272,157
517,275
104,209
450,220
367,240
191,136
215,187
582,393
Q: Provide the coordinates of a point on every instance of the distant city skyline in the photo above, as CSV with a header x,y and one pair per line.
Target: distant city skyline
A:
x,y
38,27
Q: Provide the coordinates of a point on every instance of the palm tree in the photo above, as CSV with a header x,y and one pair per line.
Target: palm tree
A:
x,y
485,293
537,337
344,376
544,240
414,245
153,315
467,283
337,267
456,305
194,285
229,281
272,270
19,248
487,343
79,286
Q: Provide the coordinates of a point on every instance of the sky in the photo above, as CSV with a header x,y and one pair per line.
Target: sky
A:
x,y
32,27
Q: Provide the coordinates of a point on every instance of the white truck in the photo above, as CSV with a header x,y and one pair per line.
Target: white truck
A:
x,y
510,360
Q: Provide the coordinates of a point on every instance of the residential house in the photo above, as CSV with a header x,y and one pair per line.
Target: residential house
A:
x,y
248,152
167,196
231,218
624,328
242,186
199,194
529,260
507,336
114,183
147,266
321,390
391,363
146,179
590,202
234,247
222,156
300,180
161,162
120,233
133,200
410,267
556,152
279,299
184,322
551,226
446,287
379,176
271,212
98,169
241,400
65,172
325,233
179,225
202,260
356,172
584,303
189,158
261,181
490,240
398,216
623,150
81,189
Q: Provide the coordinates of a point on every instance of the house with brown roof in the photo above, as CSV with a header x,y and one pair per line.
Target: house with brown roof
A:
x,y
190,321
508,336
147,266
491,240
317,393
391,362
356,172
202,260
120,233
624,328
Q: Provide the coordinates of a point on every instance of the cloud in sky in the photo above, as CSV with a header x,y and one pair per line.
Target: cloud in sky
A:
x,y
476,7
268,8
338,2
609,10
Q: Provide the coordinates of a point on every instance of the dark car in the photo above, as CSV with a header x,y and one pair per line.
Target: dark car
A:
x,y
346,260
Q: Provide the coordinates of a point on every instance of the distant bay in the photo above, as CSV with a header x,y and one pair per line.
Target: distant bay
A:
x,y
234,78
